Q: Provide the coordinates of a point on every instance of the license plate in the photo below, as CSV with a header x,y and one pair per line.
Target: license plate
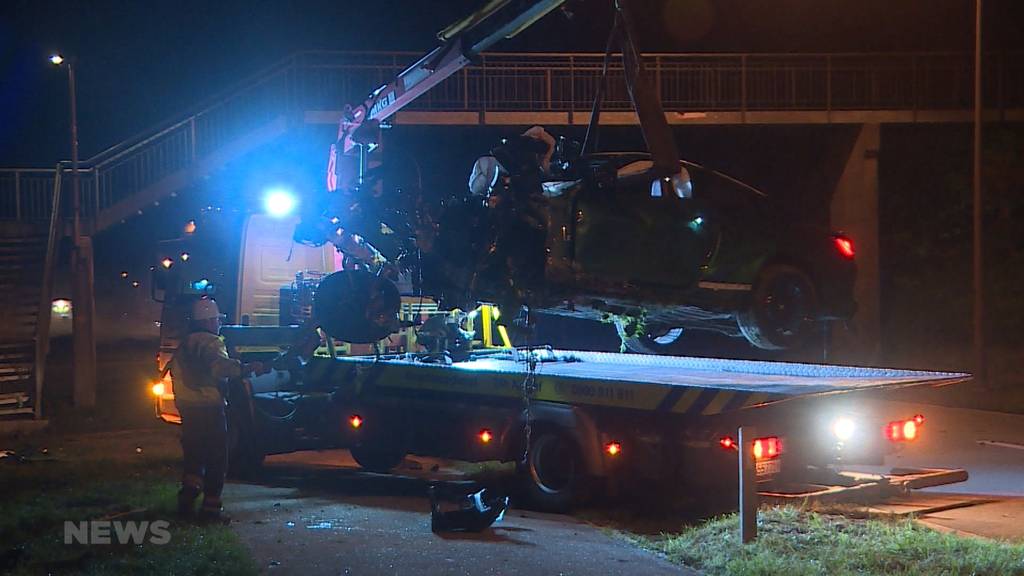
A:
x,y
768,467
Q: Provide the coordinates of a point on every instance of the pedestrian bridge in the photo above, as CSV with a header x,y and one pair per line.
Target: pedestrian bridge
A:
x,y
518,89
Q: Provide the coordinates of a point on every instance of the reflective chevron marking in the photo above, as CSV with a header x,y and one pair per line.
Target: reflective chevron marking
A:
x,y
678,399
718,402
755,399
686,402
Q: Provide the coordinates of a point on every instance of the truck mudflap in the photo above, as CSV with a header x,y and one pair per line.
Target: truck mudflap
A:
x,y
845,486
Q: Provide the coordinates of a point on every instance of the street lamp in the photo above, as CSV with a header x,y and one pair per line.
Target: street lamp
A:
x,y
84,341
58,59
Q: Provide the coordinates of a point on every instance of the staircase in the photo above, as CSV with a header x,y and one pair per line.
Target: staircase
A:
x,y
22,263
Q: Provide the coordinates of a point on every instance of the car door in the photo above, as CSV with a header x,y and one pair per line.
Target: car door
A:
x,y
630,235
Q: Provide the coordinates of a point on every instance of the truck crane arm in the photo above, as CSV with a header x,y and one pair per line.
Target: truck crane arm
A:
x,y
356,212
462,41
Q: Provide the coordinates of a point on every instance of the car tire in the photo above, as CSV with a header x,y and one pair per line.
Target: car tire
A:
x,y
666,343
245,458
782,308
377,459
552,479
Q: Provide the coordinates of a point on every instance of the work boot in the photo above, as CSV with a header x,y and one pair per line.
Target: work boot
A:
x,y
211,512
212,517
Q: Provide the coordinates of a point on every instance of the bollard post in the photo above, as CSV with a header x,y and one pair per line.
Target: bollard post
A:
x,y
748,485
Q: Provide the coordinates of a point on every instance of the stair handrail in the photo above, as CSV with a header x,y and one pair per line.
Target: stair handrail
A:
x,y
42,338
170,123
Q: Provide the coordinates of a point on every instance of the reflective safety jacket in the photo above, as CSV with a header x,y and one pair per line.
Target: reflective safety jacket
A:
x,y
199,368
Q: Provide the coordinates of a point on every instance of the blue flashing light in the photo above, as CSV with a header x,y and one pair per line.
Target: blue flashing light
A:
x,y
201,286
279,202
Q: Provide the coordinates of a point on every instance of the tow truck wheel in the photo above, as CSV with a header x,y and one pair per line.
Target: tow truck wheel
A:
x,y
553,476
376,459
782,309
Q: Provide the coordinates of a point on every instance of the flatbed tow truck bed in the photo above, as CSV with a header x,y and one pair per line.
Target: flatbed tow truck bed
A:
x,y
565,415
687,385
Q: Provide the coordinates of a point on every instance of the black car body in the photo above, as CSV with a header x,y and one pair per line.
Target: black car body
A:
x,y
604,237
702,251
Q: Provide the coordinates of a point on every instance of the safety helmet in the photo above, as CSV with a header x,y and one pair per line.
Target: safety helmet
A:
x,y
205,309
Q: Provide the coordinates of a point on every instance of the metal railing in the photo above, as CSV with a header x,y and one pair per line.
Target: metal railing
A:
x,y
686,82
121,171
42,335
524,82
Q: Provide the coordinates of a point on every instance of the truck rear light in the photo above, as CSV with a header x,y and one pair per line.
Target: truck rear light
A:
x,y
904,430
355,421
767,448
764,448
844,245
485,436
910,430
613,448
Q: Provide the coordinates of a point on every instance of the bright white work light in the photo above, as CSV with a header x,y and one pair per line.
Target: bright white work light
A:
x,y
279,202
843,428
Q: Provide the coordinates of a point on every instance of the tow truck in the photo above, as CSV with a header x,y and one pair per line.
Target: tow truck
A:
x,y
572,421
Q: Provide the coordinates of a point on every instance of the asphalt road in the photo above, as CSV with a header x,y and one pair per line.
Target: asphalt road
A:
x,y
314,513
950,439
960,438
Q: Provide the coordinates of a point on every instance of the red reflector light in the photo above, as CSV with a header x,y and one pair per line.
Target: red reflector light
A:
x,y
613,448
767,448
355,421
727,443
844,245
485,436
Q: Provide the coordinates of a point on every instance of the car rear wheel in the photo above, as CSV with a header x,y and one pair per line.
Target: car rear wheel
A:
x,y
782,309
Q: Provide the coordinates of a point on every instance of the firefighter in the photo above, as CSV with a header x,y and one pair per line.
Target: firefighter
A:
x,y
199,372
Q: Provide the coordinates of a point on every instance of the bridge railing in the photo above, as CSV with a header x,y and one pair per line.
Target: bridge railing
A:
x,y
686,82
536,82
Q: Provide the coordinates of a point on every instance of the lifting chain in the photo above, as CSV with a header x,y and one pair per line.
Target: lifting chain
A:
x,y
528,389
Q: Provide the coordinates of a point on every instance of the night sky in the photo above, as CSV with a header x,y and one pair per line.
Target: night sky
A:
x,y
143,62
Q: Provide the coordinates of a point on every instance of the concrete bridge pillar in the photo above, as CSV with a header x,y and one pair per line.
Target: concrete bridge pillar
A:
x,y
854,212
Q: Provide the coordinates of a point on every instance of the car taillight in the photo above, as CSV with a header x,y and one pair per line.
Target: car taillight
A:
x,y
844,245
904,430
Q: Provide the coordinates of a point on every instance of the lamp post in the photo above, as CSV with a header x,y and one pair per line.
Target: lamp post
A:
x,y
980,361
82,296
